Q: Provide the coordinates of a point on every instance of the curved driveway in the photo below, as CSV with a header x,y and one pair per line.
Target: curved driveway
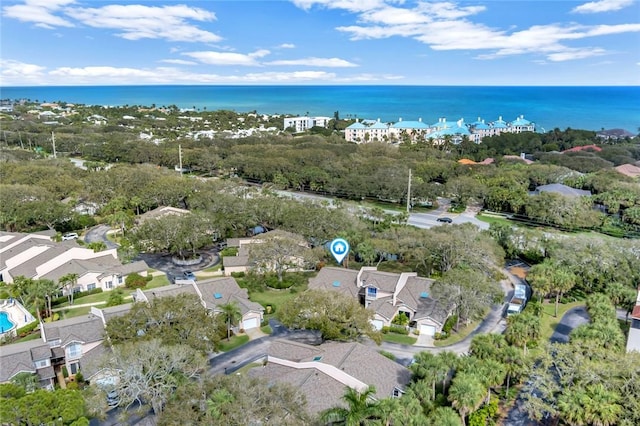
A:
x,y
99,234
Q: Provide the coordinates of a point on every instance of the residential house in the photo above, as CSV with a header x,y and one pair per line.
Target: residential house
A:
x,y
33,357
160,212
213,293
241,262
387,295
633,340
322,373
74,345
564,190
37,256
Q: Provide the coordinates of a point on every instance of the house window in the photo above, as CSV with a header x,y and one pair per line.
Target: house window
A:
x,y
372,292
42,363
74,350
397,393
91,286
120,280
109,284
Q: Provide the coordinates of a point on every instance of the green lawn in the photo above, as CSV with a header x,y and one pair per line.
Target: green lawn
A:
x,y
157,281
273,297
456,337
399,338
74,312
493,219
226,346
266,329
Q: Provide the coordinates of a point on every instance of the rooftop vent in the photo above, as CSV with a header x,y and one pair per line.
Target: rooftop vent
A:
x,y
217,296
424,295
336,283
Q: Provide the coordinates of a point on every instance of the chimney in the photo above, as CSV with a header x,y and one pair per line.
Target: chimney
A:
x,y
399,119
420,119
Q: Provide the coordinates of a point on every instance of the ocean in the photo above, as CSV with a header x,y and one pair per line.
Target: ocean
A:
x,y
589,108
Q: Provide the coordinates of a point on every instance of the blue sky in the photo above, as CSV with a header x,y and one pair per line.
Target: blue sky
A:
x,y
104,42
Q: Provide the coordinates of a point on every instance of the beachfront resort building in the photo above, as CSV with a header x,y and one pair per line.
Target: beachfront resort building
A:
x,y
302,124
364,131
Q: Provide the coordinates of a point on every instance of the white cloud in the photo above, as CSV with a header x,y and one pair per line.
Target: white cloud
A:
x,y
287,46
573,54
602,6
350,5
40,12
178,62
315,62
27,73
137,21
228,58
449,26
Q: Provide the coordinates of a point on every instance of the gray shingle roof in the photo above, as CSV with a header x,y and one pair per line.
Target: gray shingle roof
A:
x,y
228,291
16,358
561,189
384,307
336,279
384,281
169,290
321,390
85,329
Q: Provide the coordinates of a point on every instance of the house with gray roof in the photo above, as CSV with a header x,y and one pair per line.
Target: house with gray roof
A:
x,y
37,256
387,295
213,293
323,372
560,189
71,343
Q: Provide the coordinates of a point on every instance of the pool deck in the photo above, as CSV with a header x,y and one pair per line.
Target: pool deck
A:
x,y
17,314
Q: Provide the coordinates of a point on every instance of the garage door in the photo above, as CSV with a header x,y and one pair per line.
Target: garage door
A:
x,y
377,324
427,330
250,323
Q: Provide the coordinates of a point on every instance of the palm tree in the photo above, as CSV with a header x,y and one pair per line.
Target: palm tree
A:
x,y
69,282
466,394
231,313
444,416
361,407
601,406
49,288
514,363
571,405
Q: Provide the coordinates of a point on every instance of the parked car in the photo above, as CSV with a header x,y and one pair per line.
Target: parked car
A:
x,y
444,220
188,275
69,236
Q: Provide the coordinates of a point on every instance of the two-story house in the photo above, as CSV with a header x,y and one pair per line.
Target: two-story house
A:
x,y
387,295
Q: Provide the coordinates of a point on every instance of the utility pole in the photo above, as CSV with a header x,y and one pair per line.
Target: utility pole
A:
x,y
53,142
409,193
180,158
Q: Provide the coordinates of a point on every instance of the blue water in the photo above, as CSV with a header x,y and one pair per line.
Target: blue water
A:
x,y
5,323
591,108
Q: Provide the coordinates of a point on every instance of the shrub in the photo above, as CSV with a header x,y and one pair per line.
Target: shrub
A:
x,y
440,336
65,372
63,299
135,281
389,355
449,324
238,274
398,330
27,329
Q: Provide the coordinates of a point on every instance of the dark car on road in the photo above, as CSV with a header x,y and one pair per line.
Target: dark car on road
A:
x,y
444,219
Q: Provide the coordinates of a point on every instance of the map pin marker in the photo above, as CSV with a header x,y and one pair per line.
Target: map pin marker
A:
x,y
339,249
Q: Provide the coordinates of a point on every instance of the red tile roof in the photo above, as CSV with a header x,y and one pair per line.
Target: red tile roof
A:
x,y
584,148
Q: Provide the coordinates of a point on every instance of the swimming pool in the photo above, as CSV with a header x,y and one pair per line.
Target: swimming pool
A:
x,y
5,322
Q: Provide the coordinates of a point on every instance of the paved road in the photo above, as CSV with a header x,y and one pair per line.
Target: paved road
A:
x,y
99,233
